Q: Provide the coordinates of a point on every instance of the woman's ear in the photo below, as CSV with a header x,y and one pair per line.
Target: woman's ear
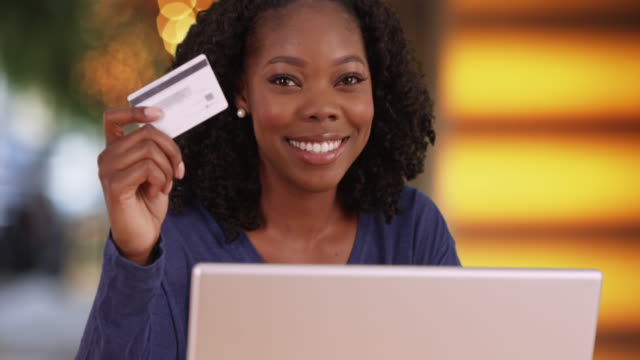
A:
x,y
241,100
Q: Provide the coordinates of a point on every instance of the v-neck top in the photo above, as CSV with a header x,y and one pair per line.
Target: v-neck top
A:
x,y
141,312
362,224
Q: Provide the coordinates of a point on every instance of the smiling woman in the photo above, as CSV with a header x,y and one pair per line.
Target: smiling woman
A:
x,y
300,73
308,165
318,95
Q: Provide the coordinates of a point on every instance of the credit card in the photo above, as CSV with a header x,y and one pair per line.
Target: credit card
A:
x,y
188,95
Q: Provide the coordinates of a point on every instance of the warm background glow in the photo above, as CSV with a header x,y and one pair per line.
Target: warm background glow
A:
x,y
539,108
541,75
541,179
534,7
175,19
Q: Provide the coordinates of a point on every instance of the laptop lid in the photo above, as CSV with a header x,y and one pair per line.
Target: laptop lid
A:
x,y
295,312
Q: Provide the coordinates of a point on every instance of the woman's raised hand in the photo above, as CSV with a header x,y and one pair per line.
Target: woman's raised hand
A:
x,y
137,172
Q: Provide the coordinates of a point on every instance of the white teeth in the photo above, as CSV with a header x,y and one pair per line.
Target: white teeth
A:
x,y
316,147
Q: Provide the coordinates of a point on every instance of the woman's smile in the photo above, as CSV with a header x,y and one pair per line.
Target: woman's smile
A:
x,y
309,93
317,150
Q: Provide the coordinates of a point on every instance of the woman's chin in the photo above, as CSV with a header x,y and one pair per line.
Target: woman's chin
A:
x,y
318,184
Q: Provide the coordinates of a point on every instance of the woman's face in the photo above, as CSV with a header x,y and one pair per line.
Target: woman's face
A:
x,y
308,89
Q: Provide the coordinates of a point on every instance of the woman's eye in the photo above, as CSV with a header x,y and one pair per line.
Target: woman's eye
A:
x,y
283,81
351,80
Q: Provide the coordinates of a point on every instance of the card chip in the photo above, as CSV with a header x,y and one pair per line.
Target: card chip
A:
x,y
209,97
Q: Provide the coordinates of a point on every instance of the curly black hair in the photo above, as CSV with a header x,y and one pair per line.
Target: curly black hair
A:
x,y
222,154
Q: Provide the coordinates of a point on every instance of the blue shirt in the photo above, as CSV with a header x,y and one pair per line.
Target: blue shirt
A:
x,y
141,312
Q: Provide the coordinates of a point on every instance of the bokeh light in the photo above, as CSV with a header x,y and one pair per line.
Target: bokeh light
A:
x,y
539,165
113,72
176,9
175,20
117,63
172,30
570,76
541,180
70,175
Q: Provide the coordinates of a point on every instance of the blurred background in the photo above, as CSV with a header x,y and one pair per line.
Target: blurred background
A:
x,y
537,162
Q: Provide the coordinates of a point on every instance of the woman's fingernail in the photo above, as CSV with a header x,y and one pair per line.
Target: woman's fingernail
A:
x,y
181,170
168,189
153,113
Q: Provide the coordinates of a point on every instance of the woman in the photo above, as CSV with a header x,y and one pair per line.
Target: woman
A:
x,y
308,165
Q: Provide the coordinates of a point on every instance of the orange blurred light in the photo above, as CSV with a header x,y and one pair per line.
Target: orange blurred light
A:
x,y
170,47
618,261
111,73
540,180
537,6
175,20
522,76
203,4
173,31
176,9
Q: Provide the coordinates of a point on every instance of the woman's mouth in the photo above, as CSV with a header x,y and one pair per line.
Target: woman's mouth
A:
x,y
321,147
317,150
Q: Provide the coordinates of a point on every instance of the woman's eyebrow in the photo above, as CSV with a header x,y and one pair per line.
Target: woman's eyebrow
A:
x,y
295,61
288,60
347,59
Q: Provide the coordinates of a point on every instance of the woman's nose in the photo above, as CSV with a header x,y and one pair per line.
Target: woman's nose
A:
x,y
320,105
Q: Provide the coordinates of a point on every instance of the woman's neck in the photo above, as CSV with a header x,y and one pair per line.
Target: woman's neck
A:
x,y
292,213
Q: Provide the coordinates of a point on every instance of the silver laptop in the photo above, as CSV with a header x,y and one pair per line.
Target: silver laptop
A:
x,y
322,312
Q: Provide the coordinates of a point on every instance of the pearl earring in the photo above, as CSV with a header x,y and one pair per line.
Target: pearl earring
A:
x,y
241,113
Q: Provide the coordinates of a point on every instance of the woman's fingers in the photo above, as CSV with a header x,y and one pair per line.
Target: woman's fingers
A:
x,y
127,181
124,145
145,149
146,158
114,120
134,169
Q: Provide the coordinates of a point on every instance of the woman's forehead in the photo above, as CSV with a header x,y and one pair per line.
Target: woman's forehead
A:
x,y
306,25
296,7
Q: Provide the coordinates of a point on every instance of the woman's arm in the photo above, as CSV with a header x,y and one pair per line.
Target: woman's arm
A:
x,y
130,317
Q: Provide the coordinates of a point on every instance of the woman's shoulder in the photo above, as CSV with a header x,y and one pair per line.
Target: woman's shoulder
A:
x,y
414,206
196,232
192,222
417,235
432,240
414,202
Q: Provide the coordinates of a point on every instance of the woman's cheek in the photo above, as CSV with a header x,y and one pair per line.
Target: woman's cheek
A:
x,y
272,114
361,113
